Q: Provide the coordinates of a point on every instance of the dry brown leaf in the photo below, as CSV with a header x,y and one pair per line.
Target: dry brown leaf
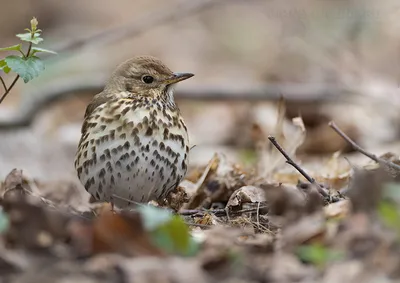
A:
x,y
122,233
15,181
246,194
290,135
335,173
220,179
337,210
178,198
199,196
307,230
30,225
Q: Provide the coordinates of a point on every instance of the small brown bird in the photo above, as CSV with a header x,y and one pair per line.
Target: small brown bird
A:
x,y
134,142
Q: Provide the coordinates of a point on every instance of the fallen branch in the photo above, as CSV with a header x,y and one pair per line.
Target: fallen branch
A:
x,y
298,168
34,99
361,150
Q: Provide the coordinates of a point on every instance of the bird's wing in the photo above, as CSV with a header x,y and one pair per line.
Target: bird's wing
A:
x,y
97,100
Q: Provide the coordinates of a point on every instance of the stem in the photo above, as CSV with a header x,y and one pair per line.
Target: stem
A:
x,y
16,78
3,83
297,167
29,50
9,88
361,150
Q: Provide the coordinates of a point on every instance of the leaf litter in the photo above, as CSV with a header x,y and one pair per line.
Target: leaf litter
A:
x,y
224,223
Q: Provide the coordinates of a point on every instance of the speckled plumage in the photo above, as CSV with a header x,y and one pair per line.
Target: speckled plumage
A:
x,y
134,143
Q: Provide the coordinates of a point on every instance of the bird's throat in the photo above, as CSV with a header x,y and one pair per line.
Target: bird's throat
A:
x,y
169,96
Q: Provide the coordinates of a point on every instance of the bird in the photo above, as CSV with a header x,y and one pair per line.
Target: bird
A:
x,y
134,144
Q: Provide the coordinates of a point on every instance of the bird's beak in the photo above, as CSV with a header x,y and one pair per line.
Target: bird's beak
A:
x,y
177,77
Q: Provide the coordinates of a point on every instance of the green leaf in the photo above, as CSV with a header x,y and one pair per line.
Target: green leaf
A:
x,y
168,231
28,68
389,214
174,237
12,48
154,217
28,37
4,67
34,50
4,222
3,63
391,191
317,254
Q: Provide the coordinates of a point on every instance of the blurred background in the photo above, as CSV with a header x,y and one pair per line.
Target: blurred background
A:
x,y
331,60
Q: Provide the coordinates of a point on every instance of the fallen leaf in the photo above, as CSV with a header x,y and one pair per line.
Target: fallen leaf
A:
x,y
31,226
122,233
246,194
14,181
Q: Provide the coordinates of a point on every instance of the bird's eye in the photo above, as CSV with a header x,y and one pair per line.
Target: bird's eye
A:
x,y
147,79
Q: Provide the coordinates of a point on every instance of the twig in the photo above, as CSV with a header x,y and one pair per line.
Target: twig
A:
x,y
217,212
3,83
29,50
9,89
297,167
258,215
361,150
16,78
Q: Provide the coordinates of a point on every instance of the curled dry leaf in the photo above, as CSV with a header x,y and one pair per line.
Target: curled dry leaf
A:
x,y
219,180
14,181
290,135
335,173
114,233
199,196
338,209
246,194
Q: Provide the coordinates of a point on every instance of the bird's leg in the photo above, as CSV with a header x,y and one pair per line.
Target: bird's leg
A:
x,y
112,204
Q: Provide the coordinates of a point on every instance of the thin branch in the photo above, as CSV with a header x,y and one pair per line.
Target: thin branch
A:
x,y
16,78
9,89
29,50
361,150
3,83
297,167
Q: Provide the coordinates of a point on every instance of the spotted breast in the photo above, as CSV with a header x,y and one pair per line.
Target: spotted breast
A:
x,y
132,149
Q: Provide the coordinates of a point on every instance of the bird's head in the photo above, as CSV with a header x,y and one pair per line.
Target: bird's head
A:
x,y
145,76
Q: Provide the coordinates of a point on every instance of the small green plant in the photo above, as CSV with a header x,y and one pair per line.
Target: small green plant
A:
x,y
26,64
389,207
168,231
318,254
